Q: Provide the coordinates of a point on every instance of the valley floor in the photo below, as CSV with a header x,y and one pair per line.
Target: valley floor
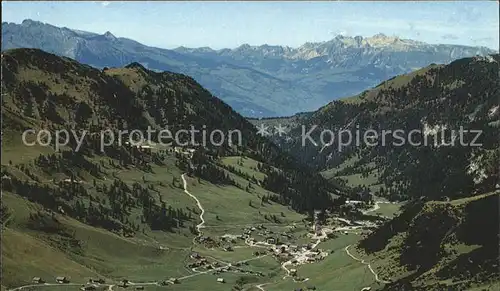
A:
x,y
232,244
261,271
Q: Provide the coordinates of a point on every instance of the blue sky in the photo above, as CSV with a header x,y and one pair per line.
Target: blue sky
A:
x,y
230,24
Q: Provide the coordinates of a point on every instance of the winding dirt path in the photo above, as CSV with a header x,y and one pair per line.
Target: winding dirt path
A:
x,y
260,286
374,208
365,263
202,223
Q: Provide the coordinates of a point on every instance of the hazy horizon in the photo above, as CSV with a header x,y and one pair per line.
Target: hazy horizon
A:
x,y
231,24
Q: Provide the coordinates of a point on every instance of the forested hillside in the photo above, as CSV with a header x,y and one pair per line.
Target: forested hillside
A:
x,y
439,245
46,91
436,101
63,201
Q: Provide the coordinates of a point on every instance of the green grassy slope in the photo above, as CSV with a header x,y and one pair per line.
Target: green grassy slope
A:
x,y
124,213
436,245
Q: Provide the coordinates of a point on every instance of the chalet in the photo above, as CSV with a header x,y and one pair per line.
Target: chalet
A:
x,y
195,256
62,280
88,287
164,283
124,283
270,240
174,280
221,280
61,210
139,288
205,239
228,249
71,181
37,280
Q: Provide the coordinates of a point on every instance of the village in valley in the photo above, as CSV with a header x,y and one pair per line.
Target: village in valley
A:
x,y
292,246
225,255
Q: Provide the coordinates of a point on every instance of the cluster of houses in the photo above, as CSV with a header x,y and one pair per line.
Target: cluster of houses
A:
x,y
230,239
59,279
71,181
143,147
207,241
315,256
188,152
201,261
149,147
170,282
225,242
270,236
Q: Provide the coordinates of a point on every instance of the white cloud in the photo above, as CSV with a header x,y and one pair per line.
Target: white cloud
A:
x,y
105,3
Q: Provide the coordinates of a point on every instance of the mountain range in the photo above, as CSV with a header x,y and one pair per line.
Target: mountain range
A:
x,y
436,102
257,81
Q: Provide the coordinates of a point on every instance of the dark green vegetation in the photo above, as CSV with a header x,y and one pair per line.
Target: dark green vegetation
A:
x,y
45,91
122,213
255,81
435,100
446,237
439,245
